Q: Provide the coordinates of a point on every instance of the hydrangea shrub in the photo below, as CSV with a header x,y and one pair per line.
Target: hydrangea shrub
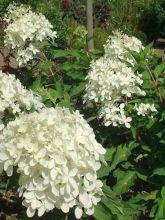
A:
x,y
82,144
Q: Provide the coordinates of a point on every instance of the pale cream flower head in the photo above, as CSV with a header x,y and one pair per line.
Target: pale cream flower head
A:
x,y
15,98
25,32
57,156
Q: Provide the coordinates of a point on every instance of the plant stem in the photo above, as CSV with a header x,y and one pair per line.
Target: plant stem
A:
x,y
51,71
155,84
90,25
66,217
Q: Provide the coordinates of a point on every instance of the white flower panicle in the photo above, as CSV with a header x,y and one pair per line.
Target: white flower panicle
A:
x,y
111,83
111,79
25,32
14,97
14,12
145,109
119,45
57,156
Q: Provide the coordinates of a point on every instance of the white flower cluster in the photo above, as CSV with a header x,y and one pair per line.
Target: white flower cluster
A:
x,y
119,45
145,109
25,32
111,83
114,114
14,97
14,12
57,157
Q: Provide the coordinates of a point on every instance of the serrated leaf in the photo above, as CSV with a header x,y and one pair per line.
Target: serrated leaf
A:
x,y
124,182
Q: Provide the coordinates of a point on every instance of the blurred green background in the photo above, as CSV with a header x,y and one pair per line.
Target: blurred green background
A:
x,y
143,18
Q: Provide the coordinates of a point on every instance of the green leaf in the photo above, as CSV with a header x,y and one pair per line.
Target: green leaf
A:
x,y
124,182
66,101
36,84
122,154
67,66
59,87
60,53
136,56
146,197
71,53
116,155
103,171
52,95
46,66
48,94
133,131
108,191
102,212
141,176
146,75
76,90
163,192
109,153
159,171
76,75
159,69
67,87
146,50
66,97
160,214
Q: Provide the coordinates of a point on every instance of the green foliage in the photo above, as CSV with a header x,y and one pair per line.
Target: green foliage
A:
x,y
144,19
135,171
100,36
134,176
4,4
75,33
152,21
